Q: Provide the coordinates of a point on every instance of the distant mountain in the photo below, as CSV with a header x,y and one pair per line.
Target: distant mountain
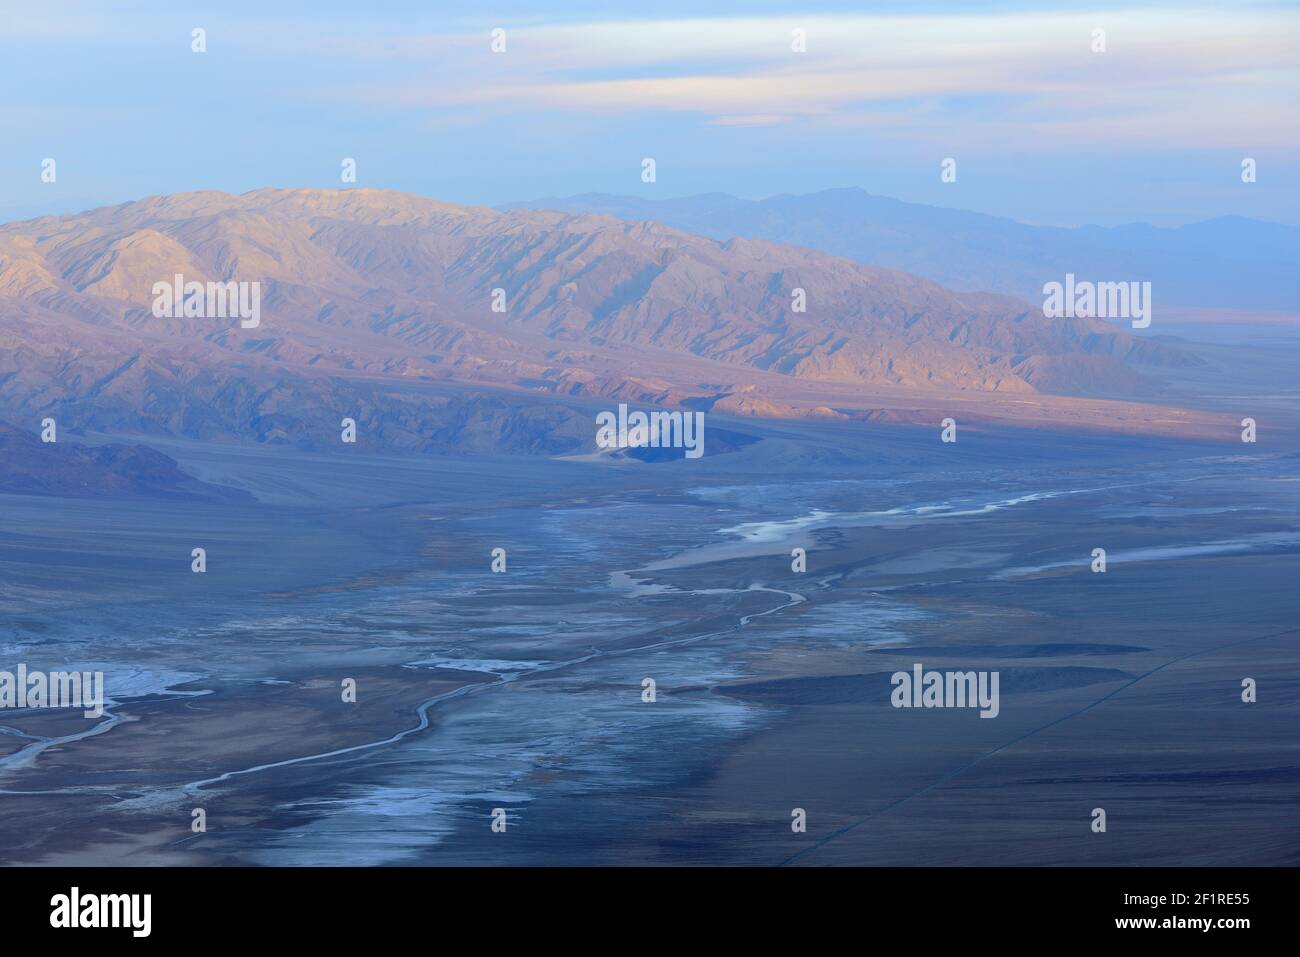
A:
x,y
379,306
31,467
1227,262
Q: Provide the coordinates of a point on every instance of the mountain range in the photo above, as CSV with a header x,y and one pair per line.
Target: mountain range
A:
x,y
1225,263
443,327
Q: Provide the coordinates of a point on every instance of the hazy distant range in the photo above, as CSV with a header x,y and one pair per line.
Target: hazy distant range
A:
x,y
1230,262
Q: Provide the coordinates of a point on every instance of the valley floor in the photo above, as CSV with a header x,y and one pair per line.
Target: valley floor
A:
x,y
523,690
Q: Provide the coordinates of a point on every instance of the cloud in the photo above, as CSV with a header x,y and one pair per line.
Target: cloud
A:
x,y
752,119
1183,75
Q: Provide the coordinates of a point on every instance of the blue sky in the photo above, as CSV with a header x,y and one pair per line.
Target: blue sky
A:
x,y
1043,129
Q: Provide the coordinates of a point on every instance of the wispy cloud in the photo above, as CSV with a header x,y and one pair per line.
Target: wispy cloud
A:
x,y
1184,76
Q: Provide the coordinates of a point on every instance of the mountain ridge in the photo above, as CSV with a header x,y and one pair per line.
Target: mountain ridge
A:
x,y
1225,261
365,291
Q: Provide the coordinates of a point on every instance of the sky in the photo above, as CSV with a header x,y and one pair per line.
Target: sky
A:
x,y
1042,127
